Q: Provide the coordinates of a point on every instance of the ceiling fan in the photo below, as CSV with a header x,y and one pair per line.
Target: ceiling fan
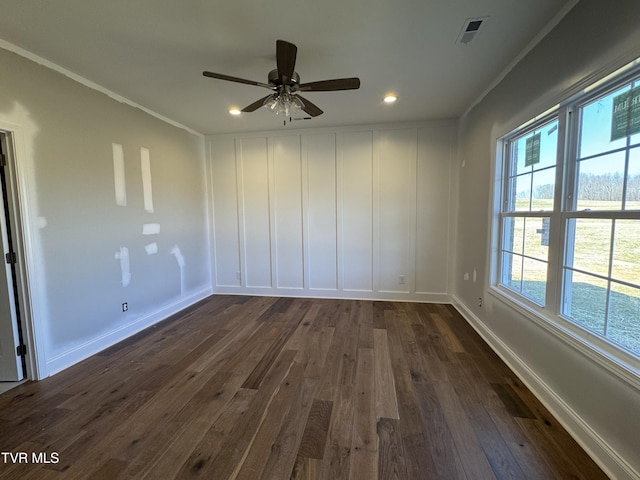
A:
x,y
285,83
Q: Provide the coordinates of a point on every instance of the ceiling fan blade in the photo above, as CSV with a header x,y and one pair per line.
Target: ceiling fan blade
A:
x,y
309,107
330,85
255,105
229,78
286,60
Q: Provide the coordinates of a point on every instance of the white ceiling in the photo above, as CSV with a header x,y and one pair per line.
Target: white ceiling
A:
x,y
153,52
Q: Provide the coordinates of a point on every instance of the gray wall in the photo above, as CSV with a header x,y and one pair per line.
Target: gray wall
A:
x,y
601,408
75,229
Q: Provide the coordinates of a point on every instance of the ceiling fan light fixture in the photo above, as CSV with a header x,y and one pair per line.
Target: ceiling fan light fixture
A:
x,y
234,111
284,103
390,98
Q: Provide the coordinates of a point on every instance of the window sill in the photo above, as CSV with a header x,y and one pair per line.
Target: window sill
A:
x,y
616,361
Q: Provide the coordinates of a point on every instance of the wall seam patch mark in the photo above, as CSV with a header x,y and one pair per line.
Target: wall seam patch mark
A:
x,y
150,228
119,175
151,248
145,166
123,256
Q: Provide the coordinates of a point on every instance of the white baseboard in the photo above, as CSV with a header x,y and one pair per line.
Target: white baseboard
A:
x,y
335,294
95,345
598,449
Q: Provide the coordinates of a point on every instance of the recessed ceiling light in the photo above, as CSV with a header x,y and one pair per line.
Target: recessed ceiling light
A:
x,y
390,98
234,111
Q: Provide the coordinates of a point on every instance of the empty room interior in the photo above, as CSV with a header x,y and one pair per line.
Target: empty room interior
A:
x,y
320,239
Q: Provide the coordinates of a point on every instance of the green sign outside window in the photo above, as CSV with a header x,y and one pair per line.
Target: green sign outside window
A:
x,y
625,118
532,155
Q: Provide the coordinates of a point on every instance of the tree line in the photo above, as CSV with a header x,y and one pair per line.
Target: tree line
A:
x,y
603,188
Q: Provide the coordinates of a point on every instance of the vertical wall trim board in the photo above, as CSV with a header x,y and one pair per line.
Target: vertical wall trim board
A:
x,y
375,212
336,209
240,209
304,201
211,214
273,226
340,210
413,212
303,210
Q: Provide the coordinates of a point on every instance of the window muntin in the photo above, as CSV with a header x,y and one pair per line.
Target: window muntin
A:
x,y
595,283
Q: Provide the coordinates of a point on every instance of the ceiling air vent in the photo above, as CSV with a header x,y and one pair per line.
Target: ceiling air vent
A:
x,y
470,29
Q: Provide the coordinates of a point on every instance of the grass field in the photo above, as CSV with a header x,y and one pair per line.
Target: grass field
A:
x,y
585,299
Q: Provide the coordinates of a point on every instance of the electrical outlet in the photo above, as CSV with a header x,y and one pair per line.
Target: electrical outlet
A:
x,y
125,306
480,301
238,276
403,280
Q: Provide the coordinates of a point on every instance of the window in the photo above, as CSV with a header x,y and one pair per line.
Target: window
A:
x,y
569,215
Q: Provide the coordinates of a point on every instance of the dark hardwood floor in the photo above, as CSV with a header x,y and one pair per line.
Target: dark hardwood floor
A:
x,y
281,388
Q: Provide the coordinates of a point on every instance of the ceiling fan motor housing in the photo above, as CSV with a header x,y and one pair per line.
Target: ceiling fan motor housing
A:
x,y
274,78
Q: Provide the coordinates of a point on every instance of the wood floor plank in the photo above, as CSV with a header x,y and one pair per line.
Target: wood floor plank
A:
x,y
449,336
279,388
197,417
336,463
314,437
472,456
257,375
364,446
531,462
391,462
385,388
474,392
217,437
438,438
257,455
514,405
560,451
282,453
417,457
240,438
433,352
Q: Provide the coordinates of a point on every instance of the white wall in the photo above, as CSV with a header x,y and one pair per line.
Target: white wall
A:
x,y
597,403
77,227
342,212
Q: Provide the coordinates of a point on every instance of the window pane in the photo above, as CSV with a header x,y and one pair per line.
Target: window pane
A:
x,y
623,326
523,193
585,299
534,282
595,132
519,150
536,149
513,234
600,182
536,238
548,145
633,180
512,271
544,182
626,251
591,241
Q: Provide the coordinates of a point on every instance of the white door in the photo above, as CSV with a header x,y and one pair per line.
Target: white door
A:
x,y
10,362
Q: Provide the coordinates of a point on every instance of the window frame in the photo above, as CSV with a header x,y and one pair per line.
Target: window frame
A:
x,y
617,358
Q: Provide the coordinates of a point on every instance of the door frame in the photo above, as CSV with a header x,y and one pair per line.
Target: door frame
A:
x,y
13,141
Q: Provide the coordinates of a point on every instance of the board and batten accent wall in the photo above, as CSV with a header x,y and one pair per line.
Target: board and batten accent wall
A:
x,y
342,213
